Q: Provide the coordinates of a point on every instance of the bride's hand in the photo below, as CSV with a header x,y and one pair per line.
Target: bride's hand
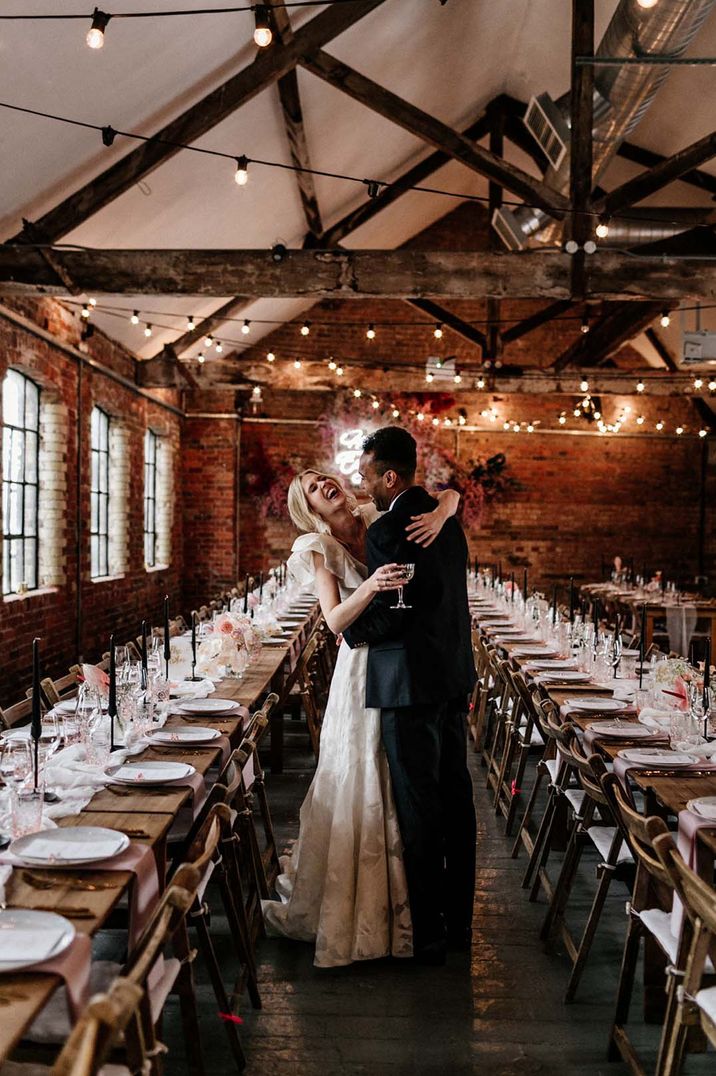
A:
x,y
426,527
387,577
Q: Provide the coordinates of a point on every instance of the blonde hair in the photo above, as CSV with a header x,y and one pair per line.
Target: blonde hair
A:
x,y
300,511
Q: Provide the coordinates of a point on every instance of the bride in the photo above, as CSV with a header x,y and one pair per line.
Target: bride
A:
x,y
343,885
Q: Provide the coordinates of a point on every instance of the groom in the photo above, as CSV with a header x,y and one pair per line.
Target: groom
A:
x,y
420,672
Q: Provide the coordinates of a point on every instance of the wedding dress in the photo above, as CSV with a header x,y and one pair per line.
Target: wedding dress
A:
x,y
343,885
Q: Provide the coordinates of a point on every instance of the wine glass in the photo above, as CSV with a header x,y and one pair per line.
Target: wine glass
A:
x,y
406,573
15,761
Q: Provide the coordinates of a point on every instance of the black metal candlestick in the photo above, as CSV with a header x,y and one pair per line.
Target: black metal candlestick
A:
x,y
642,646
167,646
36,720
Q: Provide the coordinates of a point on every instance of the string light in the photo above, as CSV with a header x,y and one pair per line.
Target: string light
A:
x,y
200,358
698,383
647,3
584,327
95,34
219,347
241,176
660,425
190,324
208,341
263,35
577,412
640,420
148,330
457,379
640,386
332,365
297,364
370,332
438,331
562,419
92,302
584,385
357,394
135,317
703,433
246,327
85,311
530,428
505,425
396,413
602,229
665,320
339,371
679,430
420,416
376,404
305,328
270,357
436,422
712,386
428,377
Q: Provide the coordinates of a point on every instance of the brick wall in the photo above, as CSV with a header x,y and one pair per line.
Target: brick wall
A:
x,y
69,391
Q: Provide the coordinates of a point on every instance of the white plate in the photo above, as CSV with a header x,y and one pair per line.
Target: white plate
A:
x,y
68,706
549,664
289,622
657,757
622,730
177,737
150,773
71,847
40,935
206,706
533,652
274,641
16,734
183,688
653,723
705,806
602,706
567,676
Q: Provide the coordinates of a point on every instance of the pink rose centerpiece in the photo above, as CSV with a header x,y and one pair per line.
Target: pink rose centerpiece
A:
x,y
226,645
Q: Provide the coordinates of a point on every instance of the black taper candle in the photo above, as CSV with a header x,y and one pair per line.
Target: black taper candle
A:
x,y
145,663
512,586
167,643
554,604
642,646
499,571
36,720
246,594
707,664
524,584
571,599
261,587
112,701
617,637
193,643
477,567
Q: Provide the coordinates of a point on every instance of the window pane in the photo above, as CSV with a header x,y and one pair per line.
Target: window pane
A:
x,y
30,572
15,509
94,512
17,455
30,457
104,433
16,563
103,515
30,510
6,443
94,428
94,555
32,404
12,402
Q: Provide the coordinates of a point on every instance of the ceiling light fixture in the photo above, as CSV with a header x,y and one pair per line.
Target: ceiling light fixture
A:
x,y
95,34
241,176
263,35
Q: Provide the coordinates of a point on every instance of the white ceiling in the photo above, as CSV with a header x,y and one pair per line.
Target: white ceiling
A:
x,y
448,59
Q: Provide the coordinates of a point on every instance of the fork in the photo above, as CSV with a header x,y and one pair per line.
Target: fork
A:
x,y
48,882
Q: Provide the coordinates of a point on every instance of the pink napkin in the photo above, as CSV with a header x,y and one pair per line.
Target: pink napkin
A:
x,y
144,891
694,854
73,967
622,767
649,741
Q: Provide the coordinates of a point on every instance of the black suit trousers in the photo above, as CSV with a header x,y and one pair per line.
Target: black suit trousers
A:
x,y
426,748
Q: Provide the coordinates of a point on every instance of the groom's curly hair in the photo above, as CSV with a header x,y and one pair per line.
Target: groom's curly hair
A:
x,y
392,449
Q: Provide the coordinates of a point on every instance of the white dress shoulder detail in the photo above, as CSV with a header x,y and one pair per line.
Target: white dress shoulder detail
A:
x,y
343,885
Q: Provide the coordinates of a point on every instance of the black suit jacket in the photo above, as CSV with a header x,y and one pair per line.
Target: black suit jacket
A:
x,y
424,654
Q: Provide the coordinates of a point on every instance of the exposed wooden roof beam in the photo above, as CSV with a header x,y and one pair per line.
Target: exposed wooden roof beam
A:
x,y
669,360
647,159
293,122
579,225
540,317
616,327
654,179
433,131
446,317
353,274
269,65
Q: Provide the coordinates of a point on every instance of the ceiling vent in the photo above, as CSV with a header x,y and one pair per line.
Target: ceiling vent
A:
x,y
548,126
699,348
440,369
508,229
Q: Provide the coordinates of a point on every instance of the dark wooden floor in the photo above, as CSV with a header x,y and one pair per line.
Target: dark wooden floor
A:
x,y
498,1011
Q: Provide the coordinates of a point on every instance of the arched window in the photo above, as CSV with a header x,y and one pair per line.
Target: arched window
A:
x,y
20,482
99,493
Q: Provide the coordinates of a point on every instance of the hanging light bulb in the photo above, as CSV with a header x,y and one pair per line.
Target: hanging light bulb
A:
x,y
332,364
660,425
703,433
263,35
640,420
305,328
562,419
679,430
698,383
480,383
219,347
135,317
396,413
270,357
461,419
585,324
420,416
665,320
428,377
85,311
447,422
438,331
95,34
241,176
584,385
712,386
506,425
92,302
200,358
640,386
376,404
190,324
246,327
297,364
148,330
370,332
647,3
602,230
597,415
530,427
436,422
208,341
339,371
457,379
357,394
577,412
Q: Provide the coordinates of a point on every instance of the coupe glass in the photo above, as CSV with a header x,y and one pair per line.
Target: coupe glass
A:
x,y
406,572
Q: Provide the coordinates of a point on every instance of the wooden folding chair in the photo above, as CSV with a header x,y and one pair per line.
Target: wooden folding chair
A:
x,y
649,919
547,767
693,1003
18,714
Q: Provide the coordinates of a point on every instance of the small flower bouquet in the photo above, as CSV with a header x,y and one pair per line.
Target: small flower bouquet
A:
x,y
672,679
227,637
